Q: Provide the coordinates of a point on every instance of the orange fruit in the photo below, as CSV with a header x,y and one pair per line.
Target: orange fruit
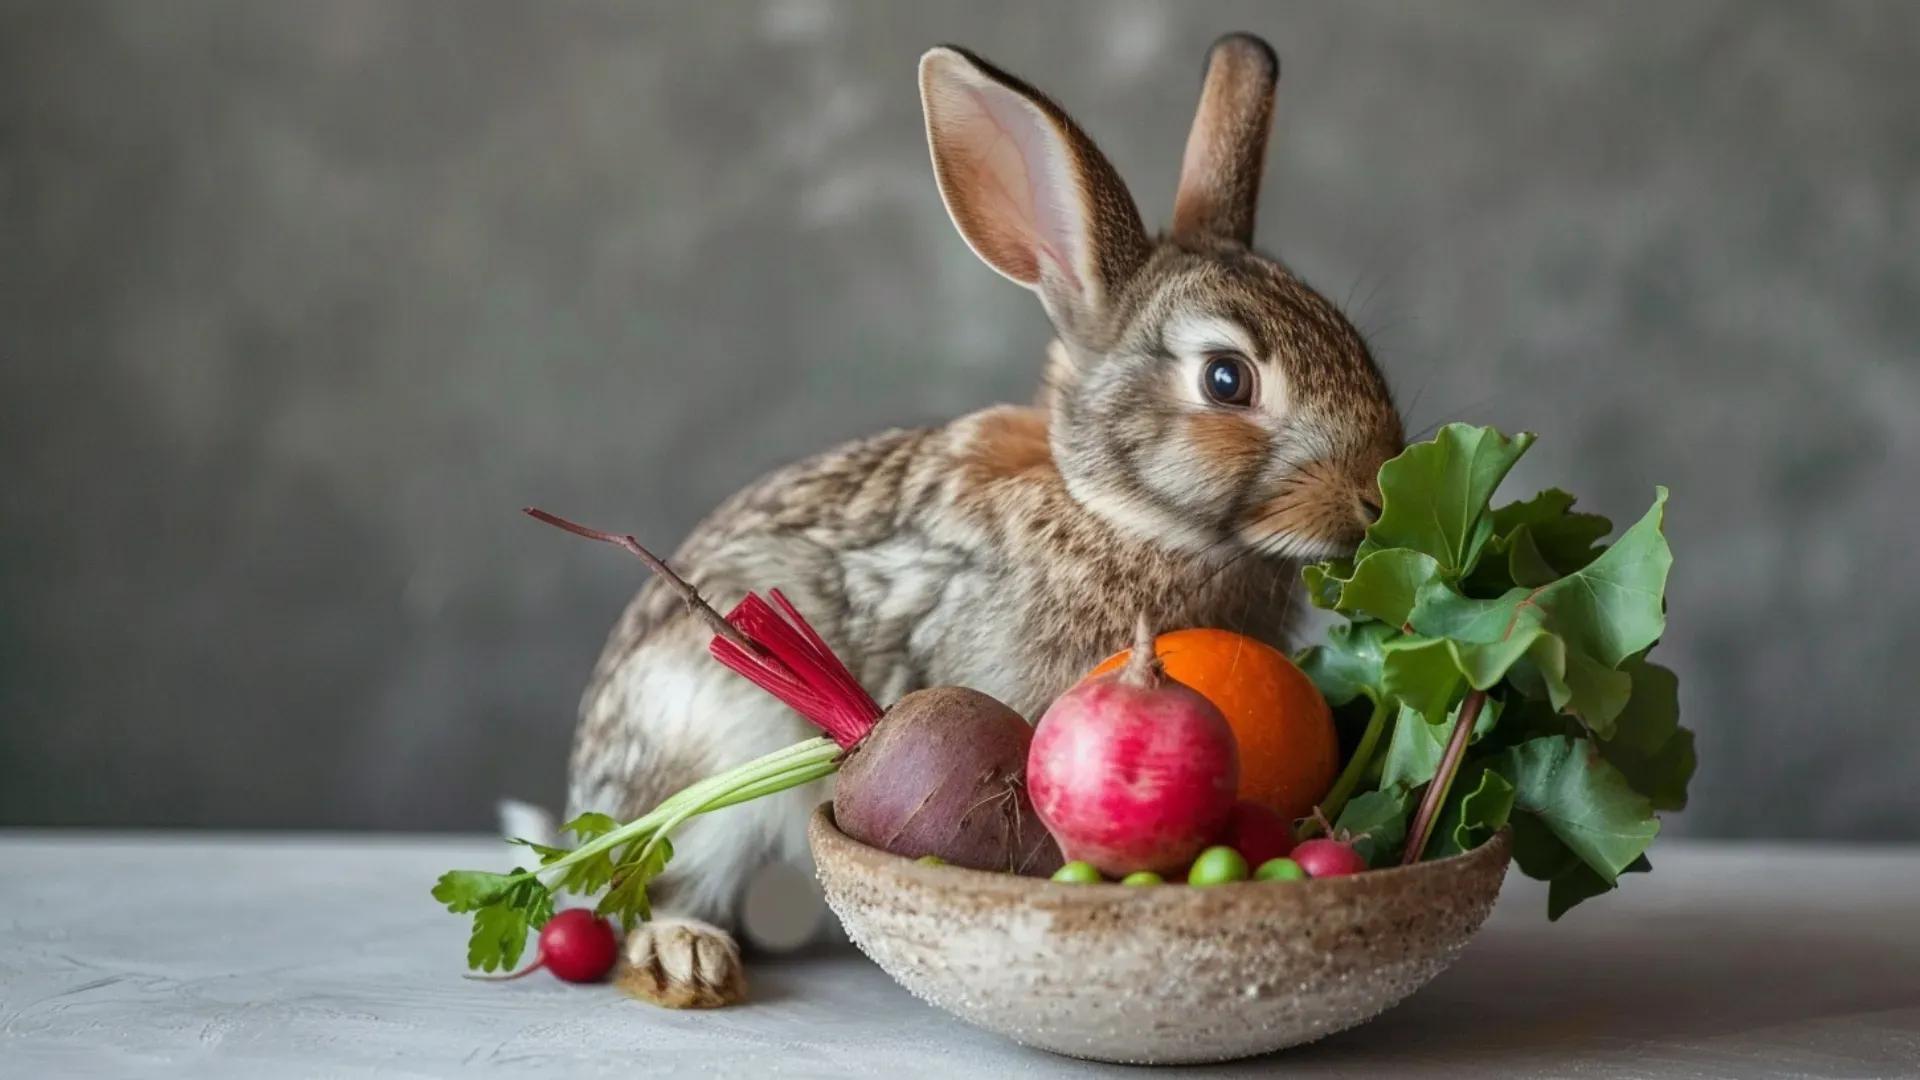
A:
x,y
1289,752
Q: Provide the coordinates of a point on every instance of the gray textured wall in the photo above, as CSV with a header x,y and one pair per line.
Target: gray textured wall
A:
x,y
298,303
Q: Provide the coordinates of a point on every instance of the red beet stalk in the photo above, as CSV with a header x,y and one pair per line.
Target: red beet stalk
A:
x,y
794,664
777,650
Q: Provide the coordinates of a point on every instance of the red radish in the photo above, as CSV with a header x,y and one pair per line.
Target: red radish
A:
x,y
1133,771
1322,857
940,773
574,945
1258,833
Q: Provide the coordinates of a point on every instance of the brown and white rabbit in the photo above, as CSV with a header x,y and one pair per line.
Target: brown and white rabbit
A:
x,y
1207,422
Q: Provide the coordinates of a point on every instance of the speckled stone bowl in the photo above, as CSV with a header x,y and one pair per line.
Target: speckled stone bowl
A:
x,y
1162,974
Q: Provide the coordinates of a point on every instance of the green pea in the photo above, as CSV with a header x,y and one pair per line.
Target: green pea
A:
x,y
1077,873
1217,866
1143,877
1280,870
931,860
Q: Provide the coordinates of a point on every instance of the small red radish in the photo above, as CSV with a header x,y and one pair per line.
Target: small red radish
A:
x,y
1133,771
1258,833
1323,857
575,946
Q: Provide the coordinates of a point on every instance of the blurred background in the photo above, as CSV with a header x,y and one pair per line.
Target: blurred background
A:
x,y
299,302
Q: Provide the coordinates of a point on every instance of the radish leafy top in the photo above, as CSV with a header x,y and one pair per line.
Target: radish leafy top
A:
x,y
1519,617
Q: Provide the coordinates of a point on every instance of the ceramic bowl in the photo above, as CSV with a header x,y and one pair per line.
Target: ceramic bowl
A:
x,y
1157,974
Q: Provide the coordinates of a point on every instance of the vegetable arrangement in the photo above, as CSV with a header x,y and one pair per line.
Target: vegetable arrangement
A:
x,y
1494,661
939,773
1491,672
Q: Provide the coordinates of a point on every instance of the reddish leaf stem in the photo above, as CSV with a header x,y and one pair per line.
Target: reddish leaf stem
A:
x,y
770,644
1423,819
539,961
695,602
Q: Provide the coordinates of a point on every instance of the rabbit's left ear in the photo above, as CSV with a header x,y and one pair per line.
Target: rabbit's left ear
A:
x,y
1220,174
1028,190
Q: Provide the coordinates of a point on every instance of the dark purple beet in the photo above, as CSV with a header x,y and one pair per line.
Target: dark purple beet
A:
x,y
943,773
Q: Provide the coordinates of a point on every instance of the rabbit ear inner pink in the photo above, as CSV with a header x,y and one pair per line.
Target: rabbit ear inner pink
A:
x,y
1028,191
1227,146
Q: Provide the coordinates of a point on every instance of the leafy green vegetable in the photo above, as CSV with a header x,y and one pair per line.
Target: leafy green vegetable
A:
x,y
620,859
1526,611
1348,666
1434,495
1377,824
1582,800
1481,810
1649,746
1414,752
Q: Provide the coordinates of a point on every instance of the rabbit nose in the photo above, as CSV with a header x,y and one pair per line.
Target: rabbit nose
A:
x,y
1369,507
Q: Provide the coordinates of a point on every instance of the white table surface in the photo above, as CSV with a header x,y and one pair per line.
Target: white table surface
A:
x,y
274,955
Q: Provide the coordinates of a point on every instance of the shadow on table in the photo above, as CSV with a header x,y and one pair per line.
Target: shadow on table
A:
x,y
1682,978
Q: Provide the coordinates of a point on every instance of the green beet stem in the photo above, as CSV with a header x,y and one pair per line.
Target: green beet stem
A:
x,y
785,768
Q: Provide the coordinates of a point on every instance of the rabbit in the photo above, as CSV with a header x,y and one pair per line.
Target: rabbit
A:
x,y
1206,422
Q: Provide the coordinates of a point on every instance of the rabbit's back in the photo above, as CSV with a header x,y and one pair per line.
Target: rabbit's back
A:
x,y
954,555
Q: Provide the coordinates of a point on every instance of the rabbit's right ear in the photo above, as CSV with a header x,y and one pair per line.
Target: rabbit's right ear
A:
x,y
1027,189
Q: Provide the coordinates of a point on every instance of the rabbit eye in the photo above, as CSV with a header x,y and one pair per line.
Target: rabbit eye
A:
x,y
1228,379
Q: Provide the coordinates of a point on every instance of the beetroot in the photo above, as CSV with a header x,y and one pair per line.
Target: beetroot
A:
x,y
1133,771
941,773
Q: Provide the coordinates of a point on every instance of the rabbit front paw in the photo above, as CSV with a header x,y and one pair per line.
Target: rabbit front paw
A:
x,y
682,964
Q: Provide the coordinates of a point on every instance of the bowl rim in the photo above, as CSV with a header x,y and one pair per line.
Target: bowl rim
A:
x,y
822,830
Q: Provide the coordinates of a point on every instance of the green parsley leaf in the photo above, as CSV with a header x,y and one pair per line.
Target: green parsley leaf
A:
x,y
502,920
627,898
467,890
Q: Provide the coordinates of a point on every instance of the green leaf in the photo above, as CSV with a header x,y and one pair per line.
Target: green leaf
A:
x,y
1536,850
1481,808
1649,746
1429,674
1385,583
1579,883
1348,665
1584,801
1536,541
1377,822
1324,581
467,890
1415,750
627,898
1576,631
590,826
1434,495
502,921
